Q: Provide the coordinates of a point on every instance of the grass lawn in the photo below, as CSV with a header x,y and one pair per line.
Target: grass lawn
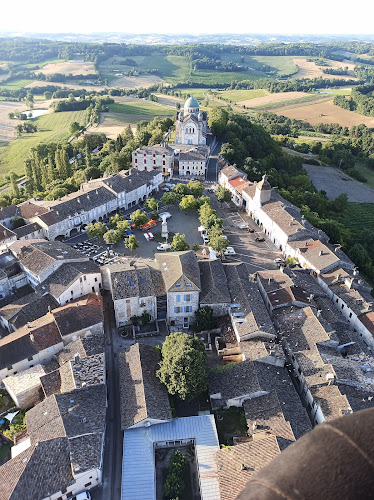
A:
x,y
242,95
14,84
142,108
40,64
194,92
230,422
51,127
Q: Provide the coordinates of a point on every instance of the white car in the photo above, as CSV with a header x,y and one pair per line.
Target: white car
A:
x,y
148,236
165,215
243,225
85,495
163,247
229,251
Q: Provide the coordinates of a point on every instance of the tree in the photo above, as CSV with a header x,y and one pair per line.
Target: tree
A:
x,y
112,236
13,185
113,221
219,243
152,204
47,95
74,127
217,121
123,225
180,190
340,203
175,485
131,243
139,218
188,202
359,255
179,243
96,230
183,365
223,194
196,188
169,199
204,319
18,222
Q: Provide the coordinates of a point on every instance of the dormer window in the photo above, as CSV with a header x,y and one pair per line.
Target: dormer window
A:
x,y
178,285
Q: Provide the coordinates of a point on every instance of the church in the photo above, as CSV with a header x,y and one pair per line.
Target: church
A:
x,y
191,124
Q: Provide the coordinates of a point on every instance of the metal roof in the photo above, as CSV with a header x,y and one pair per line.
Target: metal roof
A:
x,y
138,466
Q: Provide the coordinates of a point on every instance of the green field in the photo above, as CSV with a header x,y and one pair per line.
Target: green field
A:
x,y
283,65
141,108
172,69
211,77
290,102
195,92
358,216
40,64
341,91
242,95
366,172
14,84
51,127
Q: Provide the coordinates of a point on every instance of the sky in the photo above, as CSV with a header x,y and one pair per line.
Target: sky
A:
x,y
192,16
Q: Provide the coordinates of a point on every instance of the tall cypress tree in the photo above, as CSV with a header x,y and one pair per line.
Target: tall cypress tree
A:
x,y
29,176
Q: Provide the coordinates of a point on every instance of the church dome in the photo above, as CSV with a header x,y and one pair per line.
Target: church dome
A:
x,y
191,106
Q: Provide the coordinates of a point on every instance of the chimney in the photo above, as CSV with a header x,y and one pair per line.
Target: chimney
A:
x,y
319,312
306,243
78,200
269,281
310,298
320,252
4,233
32,337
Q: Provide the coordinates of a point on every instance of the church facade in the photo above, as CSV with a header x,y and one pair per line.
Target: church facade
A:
x,y
191,124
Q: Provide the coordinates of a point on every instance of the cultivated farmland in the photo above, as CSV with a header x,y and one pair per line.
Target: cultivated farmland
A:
x,y
325,112
69,68
270,99
8,126
309,69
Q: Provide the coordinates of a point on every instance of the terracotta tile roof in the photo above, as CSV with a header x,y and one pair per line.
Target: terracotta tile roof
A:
x,y
367,319
253,455
29,341
79,315
250,190
142,394
28,210
214,289
333,404
264,414
38,472
179,268
6,233
239,183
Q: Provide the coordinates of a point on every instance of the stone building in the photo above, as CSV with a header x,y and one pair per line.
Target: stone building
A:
x,y
192,162
191,124
132,290
158,157
181,275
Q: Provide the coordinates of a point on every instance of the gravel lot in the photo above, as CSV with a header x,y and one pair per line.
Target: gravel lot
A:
x,y
335,183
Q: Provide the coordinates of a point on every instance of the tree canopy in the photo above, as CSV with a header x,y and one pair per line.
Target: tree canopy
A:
x,y
183,365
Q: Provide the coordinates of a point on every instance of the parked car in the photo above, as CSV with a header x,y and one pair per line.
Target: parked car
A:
x,y
243,225
85,495
229,251
167,215
163,247
166,189
148,236
259,238
250,230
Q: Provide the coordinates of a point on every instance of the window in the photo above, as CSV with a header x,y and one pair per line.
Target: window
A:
x,y
136,161
69,495
71,292
93,289
342,306
178,298
177,309
177,285
80,279
30,358
187,297
163,162
188,284
84,278
188,309
87,485
95,280
350,315
145,161
337,300
64,490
